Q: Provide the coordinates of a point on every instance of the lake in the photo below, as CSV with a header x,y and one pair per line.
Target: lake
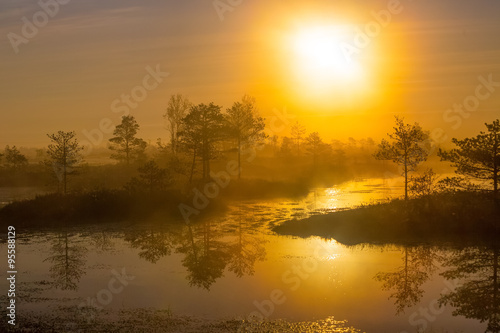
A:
x,y
234,266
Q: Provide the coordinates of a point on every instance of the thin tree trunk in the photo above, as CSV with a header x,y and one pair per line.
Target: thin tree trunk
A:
x,y
495,171
239,158
64,178
495,280
192,166
66,259
406,178
127,156
204,159
173,140
495,183
65,161
208,168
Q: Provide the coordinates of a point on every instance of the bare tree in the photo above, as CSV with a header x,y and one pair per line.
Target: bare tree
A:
x,y
406,147
178,106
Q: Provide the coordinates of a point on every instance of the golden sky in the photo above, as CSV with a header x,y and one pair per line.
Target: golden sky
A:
x,y
74,70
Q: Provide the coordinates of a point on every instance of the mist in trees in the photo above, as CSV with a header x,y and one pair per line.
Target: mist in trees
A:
x,y
126,146
244,125
315,146
198,137
202,131
152,178
177,108
64,153
14,160
297,132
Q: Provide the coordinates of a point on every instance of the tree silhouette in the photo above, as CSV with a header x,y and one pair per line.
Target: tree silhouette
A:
x,y
65,153
298,131
68,263
478,157
125,143
202,129
274,143
424,184
315,146
152,178
406,282
479,295
14,160
405,148
178,106
244,125
286,147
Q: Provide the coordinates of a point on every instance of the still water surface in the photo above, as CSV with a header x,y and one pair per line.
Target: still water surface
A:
x,y
234,266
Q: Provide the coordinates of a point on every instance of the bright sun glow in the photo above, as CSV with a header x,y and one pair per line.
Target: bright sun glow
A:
x,y
320,59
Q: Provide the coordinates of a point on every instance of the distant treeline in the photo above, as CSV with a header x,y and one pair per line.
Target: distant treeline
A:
x,y
204,141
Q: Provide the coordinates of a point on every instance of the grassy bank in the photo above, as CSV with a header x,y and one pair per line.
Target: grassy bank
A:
x,y
120,205
445,217
94,206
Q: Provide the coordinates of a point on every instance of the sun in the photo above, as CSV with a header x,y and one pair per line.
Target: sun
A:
x,y
319,57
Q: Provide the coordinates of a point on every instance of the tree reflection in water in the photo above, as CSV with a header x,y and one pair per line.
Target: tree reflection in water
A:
x,y
102,240
478,296
67,262
245,251
406,282
209,247
153,244
205,255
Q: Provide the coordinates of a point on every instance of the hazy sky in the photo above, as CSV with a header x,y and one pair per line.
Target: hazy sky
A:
x,y
73,71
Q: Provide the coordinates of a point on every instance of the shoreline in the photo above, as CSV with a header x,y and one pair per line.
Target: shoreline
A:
x,y
440,218
117,206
